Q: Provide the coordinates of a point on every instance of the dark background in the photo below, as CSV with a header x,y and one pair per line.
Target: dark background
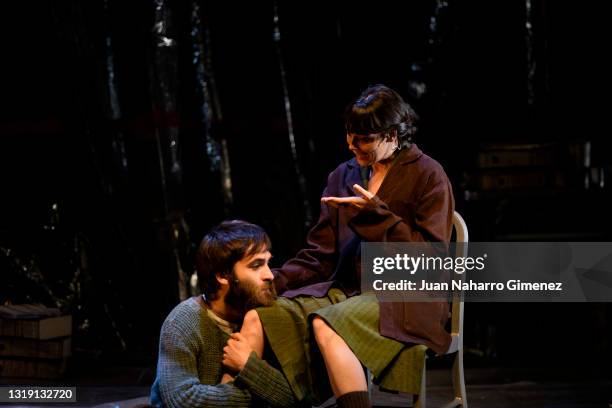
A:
x,y
107,184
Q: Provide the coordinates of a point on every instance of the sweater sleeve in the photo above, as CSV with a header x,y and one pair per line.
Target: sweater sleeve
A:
x,y
266,382
177,374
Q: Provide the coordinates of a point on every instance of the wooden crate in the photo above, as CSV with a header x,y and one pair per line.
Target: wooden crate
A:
x,y
41,329
35,341
30,348
32,368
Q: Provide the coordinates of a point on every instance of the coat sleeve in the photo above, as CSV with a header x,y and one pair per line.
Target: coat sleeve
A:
x,y
432,222
316,262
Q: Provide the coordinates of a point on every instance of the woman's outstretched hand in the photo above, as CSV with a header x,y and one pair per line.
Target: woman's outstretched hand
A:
x,y
355,201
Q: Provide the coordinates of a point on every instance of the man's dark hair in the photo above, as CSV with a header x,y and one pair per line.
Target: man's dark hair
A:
x,y
222,247
381,109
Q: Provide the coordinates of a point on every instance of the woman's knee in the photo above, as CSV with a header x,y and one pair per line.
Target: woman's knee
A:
x,y
323,333
251,319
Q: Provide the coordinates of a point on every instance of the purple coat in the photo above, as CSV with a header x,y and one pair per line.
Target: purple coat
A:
x,y
414,204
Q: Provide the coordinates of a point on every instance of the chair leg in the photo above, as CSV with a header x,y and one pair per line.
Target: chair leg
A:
x,y
422,401
459,380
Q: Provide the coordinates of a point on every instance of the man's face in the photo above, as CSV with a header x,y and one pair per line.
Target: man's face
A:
x,y
251,284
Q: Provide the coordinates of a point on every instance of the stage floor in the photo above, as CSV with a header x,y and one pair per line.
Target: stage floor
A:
x,y
486,387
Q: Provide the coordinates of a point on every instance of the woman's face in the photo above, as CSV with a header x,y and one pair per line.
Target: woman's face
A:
x,y
372,148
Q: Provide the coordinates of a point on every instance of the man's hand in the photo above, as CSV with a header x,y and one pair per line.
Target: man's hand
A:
x,y
226,378
236,352
355,202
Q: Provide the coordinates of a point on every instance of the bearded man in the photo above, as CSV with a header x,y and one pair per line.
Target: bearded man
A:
x,y
204,359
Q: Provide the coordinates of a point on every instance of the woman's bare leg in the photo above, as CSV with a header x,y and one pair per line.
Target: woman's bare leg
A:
x,y
253,331
344,369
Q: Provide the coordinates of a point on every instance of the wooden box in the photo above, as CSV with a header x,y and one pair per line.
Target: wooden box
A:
x,y
35,341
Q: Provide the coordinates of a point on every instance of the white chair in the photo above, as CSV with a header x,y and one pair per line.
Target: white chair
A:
x,y
456,346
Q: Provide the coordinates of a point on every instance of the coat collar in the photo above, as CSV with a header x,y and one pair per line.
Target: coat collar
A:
x,y
411,154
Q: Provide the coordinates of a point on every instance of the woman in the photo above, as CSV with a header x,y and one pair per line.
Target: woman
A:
x,y
390,191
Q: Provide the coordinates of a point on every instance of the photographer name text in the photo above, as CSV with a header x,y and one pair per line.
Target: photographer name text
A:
x,y
469,285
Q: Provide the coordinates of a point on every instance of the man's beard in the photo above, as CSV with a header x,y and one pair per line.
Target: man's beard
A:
x,y
245,295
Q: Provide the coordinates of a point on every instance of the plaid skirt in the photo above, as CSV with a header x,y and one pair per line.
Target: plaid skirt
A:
x,y
394,365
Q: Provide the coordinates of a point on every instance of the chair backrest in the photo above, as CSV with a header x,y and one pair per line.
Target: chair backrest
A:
x,y
461,236
461,232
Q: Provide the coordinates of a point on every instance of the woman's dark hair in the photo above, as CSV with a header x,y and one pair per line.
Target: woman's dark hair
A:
x,y
222,247
381,109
